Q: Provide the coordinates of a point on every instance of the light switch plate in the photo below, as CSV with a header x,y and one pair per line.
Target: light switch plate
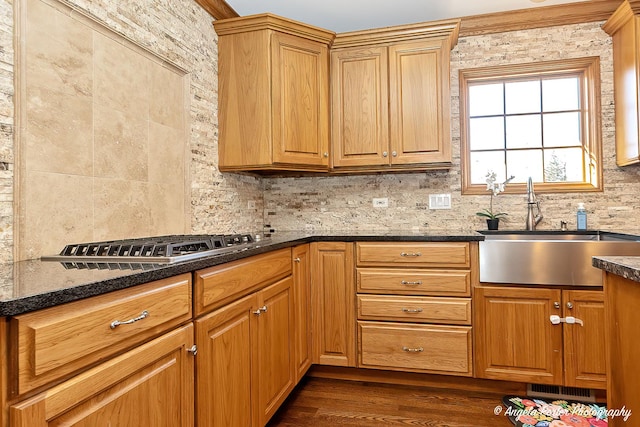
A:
x,y
440,201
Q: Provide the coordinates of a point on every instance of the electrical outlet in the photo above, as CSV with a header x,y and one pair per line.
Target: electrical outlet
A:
x,y
440,201
251,204
382,202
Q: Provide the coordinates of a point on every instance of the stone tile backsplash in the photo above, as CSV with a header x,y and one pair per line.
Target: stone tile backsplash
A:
x,y
82,65
345,202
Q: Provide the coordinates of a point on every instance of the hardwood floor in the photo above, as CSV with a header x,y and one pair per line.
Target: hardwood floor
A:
x,y
322,402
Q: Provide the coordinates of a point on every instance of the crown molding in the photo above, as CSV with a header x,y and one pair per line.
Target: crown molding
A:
x,y
523,19
219,9
539,17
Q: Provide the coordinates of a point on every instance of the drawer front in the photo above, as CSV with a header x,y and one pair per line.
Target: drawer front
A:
x,y
418,254
421,348
455,311
57,341
222,284
414,282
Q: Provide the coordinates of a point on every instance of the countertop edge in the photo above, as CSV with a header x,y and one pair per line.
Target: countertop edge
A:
x,y
21,305
624,266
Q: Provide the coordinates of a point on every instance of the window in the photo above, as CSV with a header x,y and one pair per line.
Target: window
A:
x,y
539,120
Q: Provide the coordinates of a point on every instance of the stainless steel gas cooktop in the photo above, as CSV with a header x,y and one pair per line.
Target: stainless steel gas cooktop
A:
x,y
150,251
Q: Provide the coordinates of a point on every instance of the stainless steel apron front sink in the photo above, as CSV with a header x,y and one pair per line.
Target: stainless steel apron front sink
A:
x,y
549,258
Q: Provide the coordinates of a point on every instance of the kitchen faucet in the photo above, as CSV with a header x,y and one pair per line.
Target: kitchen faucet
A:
x,y
532,202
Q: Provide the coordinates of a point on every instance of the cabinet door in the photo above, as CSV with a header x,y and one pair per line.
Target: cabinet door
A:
x,y
359,98
624,29
275,373
300,90
302,306
224,365
584,346
150,386
333,301
515,339
419,102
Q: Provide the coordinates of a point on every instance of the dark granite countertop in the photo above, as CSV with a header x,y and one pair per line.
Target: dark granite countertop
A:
x,y
32,285
625,266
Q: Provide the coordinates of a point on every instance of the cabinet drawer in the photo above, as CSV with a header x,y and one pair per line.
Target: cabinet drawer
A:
x,y
418,254
415,309
414,282
222,284
422,348
57,341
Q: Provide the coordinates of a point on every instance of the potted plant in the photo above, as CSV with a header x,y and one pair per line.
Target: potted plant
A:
x,y
495,188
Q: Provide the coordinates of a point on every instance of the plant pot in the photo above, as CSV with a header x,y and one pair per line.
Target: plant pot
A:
x,y
492,223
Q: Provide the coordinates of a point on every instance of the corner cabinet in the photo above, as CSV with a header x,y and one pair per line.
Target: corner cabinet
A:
x,y
390,98
273,76
516,340
624,28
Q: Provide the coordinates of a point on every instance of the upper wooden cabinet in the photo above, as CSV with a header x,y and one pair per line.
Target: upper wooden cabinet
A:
x,y
624,28
390,97
273,77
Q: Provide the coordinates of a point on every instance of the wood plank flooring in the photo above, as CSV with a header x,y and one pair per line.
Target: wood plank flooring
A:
x,y
320,402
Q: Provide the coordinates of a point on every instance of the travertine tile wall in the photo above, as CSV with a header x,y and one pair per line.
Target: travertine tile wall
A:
x,y
181,32
339,203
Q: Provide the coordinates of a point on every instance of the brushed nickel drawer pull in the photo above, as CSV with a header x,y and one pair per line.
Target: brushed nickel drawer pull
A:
x,y
412,310
413,350
117,323
410,254
404,282
193,350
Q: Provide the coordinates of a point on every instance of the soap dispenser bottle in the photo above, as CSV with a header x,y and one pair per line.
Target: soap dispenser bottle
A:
x,y
581,217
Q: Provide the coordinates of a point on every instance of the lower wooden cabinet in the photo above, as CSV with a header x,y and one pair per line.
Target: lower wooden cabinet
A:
x,y
149,386
516,340
245,364
412,347
585,350
333,299
302,303
622,320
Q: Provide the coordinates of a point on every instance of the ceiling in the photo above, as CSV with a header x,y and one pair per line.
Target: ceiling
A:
x,y
350,15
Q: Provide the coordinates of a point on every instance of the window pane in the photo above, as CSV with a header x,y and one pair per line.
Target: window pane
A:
x,y
484,161
524,131
560,94
486,100
524,164
522,97
486,133
562,130
563,165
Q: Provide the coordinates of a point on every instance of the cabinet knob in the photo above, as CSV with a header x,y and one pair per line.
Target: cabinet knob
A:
x,y
261,310
193,350
385,154
569,305
325,154
556,304
296,259
394,154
